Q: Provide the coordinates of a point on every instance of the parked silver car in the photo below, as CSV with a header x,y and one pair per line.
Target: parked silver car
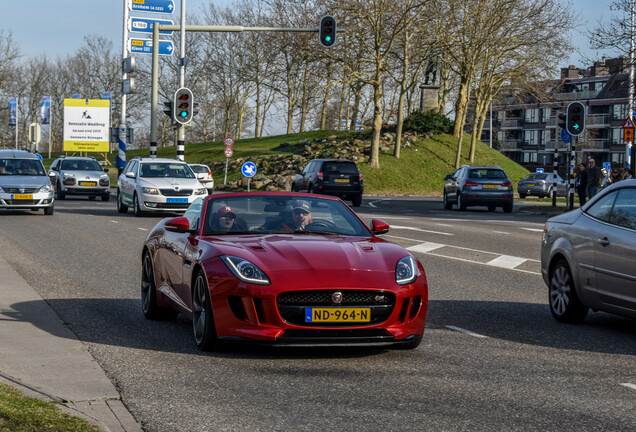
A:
x,y
24,183
541,185
157,185
77,175
587,256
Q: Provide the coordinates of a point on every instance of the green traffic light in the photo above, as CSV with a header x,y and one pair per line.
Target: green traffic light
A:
x,y
328,38
183,114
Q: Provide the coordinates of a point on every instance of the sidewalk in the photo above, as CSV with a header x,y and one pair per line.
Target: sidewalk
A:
x,y
41,357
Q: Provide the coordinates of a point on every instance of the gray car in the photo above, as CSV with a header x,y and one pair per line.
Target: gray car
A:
x,y
77,175
24,183
541,185
478,186
157,185
587,256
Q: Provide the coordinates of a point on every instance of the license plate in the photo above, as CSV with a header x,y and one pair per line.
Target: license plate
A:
x,y
491,186
342,180
337,315
530,184
85,183
177,200
21,197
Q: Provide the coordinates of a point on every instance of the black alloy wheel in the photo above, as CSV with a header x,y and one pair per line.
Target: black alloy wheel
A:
x,y
202,317
564,302
60,195
121,207
136,209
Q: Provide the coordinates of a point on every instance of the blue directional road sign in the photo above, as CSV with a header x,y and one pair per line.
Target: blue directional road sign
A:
x,y
565,136
540,170
607,165
248,169
144,25
144,46
153,6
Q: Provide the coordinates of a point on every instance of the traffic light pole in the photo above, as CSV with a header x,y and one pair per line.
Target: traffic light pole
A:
x,y
154,93
181,127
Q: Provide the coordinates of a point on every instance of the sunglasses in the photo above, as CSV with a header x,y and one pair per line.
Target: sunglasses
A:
x,y
300,211
228,216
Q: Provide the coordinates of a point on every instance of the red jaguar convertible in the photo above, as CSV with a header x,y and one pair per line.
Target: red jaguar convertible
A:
x,y
286,269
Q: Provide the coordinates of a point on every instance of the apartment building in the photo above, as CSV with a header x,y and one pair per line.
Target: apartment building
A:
x,y
526,129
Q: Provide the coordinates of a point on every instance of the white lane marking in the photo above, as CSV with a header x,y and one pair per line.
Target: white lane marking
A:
x,y
394,217
468,332
501,232
114,221
531,229
143,229
372,203
629,385
489,220
506,261
425,247
420,230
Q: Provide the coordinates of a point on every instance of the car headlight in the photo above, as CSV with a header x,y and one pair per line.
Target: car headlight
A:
x,y
68,175
150,190
1,190
245,270
45,188
405,271
200,191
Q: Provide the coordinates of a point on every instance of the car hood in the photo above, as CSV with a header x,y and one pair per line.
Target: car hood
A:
x,y
24,181
318,261
170,183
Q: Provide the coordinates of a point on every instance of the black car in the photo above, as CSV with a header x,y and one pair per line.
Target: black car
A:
x,y
336,177
478,186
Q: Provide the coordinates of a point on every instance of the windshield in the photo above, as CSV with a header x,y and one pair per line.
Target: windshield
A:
x,y
81,165
26,167
285,214
165,169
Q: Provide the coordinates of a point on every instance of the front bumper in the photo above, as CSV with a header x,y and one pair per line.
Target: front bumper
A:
x,y
26,200
90,191
162,203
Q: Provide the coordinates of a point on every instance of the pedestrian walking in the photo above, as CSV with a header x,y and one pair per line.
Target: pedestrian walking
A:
x,y
581,183
594,178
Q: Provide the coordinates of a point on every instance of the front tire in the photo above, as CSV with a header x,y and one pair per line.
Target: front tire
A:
x,y
136,207
121,207
564,302
60,195
356,202
202,317
447,204
106,197
49,211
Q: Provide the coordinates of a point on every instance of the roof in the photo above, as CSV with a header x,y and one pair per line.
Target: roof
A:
x,y
18,154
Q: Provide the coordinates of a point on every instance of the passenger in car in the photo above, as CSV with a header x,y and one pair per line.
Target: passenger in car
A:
x,y
225,220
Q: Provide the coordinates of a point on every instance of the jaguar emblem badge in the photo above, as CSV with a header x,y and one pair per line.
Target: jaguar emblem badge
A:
x,y
337,297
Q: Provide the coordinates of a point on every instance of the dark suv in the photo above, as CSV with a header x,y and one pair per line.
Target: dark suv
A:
x,y
478,186
336,177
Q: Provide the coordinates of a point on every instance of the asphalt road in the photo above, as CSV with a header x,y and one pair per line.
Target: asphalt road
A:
x,y
492,357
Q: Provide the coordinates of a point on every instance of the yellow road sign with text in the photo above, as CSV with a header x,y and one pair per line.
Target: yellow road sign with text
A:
x,y
87,125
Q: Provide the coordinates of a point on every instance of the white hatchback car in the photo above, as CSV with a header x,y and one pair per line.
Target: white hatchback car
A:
x,y
157,185
204,174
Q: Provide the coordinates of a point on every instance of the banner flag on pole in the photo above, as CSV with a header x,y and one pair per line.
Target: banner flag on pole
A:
x,y
45,110
13,108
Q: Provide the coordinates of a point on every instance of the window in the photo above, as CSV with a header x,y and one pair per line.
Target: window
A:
x,y
624,211
532,115
602,209
531,137
620,112
193,213
529,157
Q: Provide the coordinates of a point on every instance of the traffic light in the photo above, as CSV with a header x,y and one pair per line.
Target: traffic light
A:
x,y
575,118
562,120
183,106
169,108
327,31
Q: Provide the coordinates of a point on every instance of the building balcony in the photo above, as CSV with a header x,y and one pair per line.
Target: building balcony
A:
x,y
574,96
555,145
597,120
512,123
510,145
594,144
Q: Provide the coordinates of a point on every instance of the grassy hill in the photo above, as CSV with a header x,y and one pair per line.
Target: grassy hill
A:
x,y
419,171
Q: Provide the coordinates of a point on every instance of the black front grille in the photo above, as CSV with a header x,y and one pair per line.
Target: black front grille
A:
x,y
21,202
177,206
20,190
292,305
172,192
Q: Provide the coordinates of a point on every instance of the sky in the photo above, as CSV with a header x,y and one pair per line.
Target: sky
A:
x,y
58,27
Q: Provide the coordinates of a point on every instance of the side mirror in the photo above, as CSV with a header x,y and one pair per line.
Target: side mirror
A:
x,y
179,224
130,174
378,226
105,169
448,177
